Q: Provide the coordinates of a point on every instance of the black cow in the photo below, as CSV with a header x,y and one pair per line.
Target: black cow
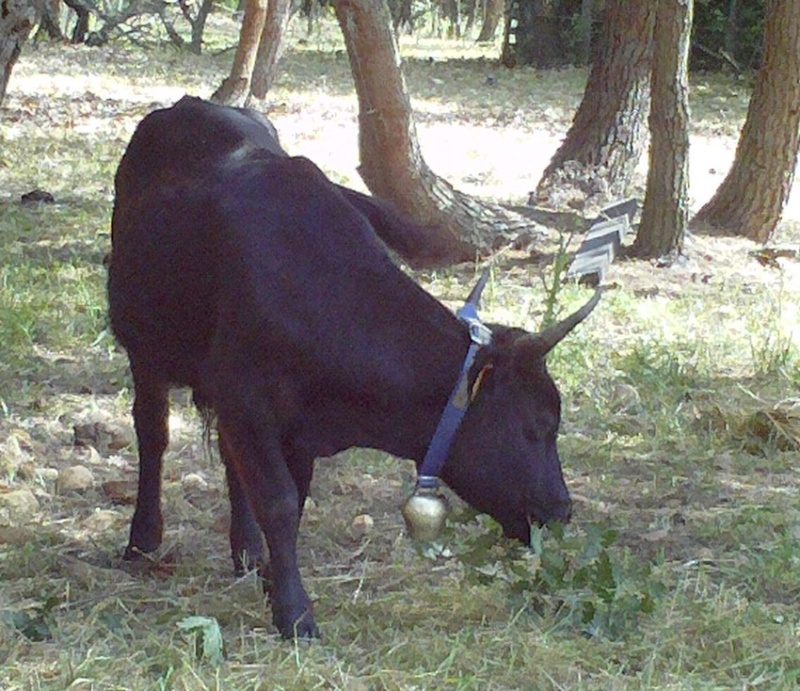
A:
x,y
248,276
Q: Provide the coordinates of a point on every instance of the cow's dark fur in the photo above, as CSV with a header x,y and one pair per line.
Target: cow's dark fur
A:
x,y
248,276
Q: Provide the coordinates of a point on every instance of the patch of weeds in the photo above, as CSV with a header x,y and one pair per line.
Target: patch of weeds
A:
x,y
664,369
771,346
37,624
554,286
760,548
580,579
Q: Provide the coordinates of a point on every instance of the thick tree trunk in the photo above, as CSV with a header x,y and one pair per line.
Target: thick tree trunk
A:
x,y
391,162
17,17
235,88
492,14
665,213
751,199
270,46
598,158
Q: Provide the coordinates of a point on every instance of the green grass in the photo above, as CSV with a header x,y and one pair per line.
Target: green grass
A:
x,y
679,441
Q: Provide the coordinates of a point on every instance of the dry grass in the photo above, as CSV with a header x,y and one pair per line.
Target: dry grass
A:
x,y
680,429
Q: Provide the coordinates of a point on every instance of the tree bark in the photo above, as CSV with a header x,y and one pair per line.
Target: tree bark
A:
x,y
598,157
751,198
391,163
665,213
492,14
270,47
235,88
17,18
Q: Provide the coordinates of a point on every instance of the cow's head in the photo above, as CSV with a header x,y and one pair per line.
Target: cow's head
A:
x,y
504,459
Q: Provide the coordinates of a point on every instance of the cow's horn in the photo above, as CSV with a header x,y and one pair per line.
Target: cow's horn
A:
x,y
475,294
553,334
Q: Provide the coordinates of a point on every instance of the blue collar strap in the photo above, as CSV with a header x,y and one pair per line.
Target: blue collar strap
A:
x,y
479,336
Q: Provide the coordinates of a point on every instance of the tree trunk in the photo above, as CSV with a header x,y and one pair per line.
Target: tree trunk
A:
x,y
732,28
391,162
50,23
665,212
199,26
235,88
587,14
751,199
17,17
598,158
83,14
536,39
492,14
270,47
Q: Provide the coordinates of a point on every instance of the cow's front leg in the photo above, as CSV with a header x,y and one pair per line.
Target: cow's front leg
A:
x,y
262,472
150,418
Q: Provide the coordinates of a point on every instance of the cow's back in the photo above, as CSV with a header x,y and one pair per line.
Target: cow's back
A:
x,y
163,283
186,140
314,290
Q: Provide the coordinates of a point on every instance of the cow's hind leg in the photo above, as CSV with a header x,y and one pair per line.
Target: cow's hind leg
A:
x,y
150,418
261,470
247,541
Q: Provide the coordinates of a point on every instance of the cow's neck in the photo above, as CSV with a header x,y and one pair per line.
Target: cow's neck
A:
x,y
402,419
438,356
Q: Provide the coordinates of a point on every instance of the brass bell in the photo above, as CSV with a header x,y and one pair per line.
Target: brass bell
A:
x,y
425,511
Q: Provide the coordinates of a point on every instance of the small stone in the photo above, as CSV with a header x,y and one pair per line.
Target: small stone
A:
x,y
103,435
12,455
102,520
85,434
76,478
120,437
48,474
362,525
193,482
121,491
88,455
16,536
624,399
17,507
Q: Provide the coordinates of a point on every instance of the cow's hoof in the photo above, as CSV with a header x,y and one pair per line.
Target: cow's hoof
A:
x,y
134,553
147,532
304,627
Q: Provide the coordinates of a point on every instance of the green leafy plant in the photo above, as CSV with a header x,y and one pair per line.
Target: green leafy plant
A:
x,y
36,625
772,348
208,643
579,577
553,288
